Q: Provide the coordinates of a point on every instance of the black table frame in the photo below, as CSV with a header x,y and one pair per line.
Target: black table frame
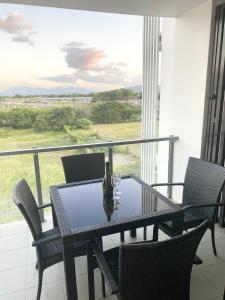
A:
x,y
70,235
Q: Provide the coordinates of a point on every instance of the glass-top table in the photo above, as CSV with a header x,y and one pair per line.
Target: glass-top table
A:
x,y
85,204
81,212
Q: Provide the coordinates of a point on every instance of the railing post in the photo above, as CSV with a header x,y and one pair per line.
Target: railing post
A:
x,y
170,165
38,183
110,153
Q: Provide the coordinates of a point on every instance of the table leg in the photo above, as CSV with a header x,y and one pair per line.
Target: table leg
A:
x,y
70,274
91,281
133,233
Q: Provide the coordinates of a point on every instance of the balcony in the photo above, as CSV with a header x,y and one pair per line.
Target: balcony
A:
x,y
19,277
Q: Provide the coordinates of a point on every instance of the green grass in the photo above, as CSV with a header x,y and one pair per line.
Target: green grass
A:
x,y
126,159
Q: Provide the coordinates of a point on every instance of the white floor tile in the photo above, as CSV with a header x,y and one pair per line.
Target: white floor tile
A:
x,y
31,294
53,291
50,291
31,257
50,275
13,259
12,280
13,242
216,275
21,295
15,228
202,288
205,252
19,278
218,298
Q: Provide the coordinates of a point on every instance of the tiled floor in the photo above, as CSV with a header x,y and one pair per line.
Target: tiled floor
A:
x,y
18,276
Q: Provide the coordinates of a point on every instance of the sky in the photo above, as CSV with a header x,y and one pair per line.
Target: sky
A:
x,y
52,47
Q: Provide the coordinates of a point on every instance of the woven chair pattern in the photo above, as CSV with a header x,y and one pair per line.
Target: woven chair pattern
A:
x,y
202,184
22,195
48,244
83,167
154,270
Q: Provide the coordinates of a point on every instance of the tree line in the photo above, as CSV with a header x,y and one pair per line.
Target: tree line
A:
x,y
57,118
114,95
123,94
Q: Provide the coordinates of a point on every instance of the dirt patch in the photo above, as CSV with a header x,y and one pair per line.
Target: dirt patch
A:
x,y
123,159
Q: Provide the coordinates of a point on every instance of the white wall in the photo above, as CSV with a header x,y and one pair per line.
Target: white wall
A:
x,y
184,68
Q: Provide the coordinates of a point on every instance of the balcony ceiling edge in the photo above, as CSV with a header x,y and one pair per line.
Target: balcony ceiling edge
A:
x,y
161,8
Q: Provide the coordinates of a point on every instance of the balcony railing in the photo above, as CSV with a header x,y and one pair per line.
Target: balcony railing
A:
x,y
109,145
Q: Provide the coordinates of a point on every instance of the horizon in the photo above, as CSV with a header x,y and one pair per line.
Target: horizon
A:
x,y
61,48
60,91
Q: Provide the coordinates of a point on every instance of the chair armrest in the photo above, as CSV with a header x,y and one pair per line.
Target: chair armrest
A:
x,y
44,205
46,240
104,267
191,206
167,184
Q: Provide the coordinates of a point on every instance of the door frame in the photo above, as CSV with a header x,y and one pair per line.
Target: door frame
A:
x,y
215,5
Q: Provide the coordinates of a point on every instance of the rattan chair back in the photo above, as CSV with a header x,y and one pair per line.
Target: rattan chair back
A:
x,y
203,184
25,201
159,270
83,166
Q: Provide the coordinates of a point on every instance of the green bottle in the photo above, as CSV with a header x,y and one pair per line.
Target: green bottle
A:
x,y
107,183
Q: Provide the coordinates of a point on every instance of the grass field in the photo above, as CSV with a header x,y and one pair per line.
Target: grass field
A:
x,y
126,159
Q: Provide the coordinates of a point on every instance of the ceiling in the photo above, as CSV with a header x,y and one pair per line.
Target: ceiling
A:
x,y
164,8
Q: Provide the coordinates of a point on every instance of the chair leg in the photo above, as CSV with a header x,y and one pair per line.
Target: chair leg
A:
x,y
91,282
40,277
197,260
155,233
122,236
103,285
145,233
213,240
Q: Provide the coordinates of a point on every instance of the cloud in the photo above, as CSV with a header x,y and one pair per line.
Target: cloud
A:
x,y
88,64
82,58
17,25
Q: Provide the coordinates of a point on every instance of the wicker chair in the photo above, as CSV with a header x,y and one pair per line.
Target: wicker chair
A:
x,y
147,270
202,185
83,166
48,244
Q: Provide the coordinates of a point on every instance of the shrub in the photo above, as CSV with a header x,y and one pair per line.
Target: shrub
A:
x,y
114,112
54,119
20,118
83,123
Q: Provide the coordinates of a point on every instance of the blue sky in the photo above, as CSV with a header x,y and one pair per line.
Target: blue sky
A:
x,y
49,47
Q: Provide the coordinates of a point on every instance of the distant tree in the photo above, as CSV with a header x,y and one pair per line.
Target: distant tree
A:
x,y
20,118
115,95
114,112
18,96
54,119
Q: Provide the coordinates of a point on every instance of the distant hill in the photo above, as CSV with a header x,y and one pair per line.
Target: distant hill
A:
x,y
136,88
29,91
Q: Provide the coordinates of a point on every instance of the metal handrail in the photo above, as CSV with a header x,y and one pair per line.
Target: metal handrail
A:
x,y
110,144
82,146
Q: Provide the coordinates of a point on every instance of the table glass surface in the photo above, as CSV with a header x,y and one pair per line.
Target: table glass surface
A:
x,y
85,204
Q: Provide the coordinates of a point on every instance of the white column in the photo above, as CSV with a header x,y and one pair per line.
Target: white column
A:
x,y
151,45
